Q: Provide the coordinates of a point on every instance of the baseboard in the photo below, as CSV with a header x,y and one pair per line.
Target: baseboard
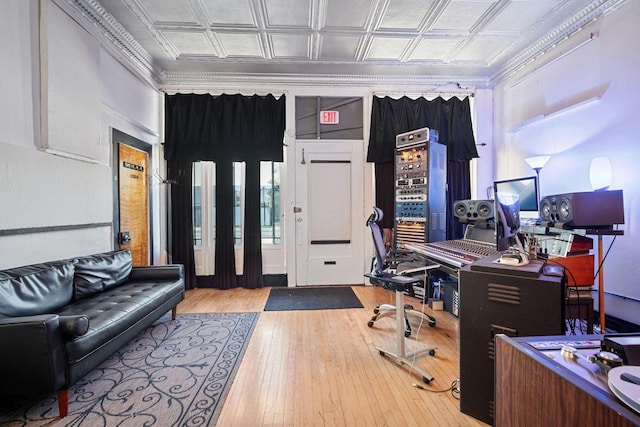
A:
x,y
269,280
616,324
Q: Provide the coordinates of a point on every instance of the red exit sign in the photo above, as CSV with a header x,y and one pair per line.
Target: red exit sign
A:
x,y
329,117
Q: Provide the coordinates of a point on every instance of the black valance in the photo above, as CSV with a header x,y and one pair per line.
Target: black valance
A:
x,y
451,117
225,127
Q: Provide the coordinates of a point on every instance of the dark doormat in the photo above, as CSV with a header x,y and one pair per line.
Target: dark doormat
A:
x,y
320,298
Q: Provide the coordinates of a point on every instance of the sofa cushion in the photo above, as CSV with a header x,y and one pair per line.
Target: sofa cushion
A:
x,y
99,272
115,311
35,289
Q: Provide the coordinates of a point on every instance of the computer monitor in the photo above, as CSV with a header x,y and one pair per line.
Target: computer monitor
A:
x,y
507,219
527,190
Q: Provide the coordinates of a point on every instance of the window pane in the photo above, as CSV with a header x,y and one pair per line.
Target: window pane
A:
x,y
270,202
270,215
238,187
308,118
211,169
197,209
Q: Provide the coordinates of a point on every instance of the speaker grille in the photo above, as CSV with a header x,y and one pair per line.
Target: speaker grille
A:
x,y
473,209
460,209
584,209
485,209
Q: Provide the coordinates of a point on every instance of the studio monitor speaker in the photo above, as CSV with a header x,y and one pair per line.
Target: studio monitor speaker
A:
x,y
584,210
473,209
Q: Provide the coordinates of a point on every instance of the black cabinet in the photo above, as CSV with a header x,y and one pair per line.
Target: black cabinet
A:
x,y
501,299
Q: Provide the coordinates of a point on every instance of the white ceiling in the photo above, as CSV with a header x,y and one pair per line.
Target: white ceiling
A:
x,y
480,41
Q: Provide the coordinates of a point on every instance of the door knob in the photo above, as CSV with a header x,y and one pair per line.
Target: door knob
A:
x,y
124,237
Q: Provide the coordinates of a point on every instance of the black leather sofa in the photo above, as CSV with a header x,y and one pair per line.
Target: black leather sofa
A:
x,y
61,319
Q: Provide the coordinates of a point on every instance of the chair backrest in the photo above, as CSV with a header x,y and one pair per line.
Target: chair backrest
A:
x,y
378,240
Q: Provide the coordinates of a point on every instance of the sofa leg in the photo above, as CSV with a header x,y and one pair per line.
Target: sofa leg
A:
x,y
174,311
63,402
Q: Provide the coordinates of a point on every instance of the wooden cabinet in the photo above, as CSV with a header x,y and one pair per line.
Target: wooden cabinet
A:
x,y
542,388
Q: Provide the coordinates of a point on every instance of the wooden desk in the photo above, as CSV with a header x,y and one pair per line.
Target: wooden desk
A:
x,y
542,388
579,308
579,269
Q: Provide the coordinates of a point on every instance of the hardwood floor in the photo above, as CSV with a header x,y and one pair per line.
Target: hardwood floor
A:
x,y
321,367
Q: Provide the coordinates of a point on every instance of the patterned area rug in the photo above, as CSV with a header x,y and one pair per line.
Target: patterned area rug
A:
x,y
176,373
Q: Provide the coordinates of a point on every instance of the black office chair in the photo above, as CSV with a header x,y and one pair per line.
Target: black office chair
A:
x,y
389,262
400,282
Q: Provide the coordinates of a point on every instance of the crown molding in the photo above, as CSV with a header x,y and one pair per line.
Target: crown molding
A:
x,y
113,37
433,84
587,16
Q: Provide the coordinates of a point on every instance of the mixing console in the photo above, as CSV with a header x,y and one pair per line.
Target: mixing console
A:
x,y
455,253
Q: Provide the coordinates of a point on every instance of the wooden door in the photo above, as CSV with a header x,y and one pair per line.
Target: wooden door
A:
x,y
133,203
330,229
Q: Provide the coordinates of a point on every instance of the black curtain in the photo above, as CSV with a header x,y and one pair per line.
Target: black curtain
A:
x,y
225,262
252,235
452,119
224,129
181,201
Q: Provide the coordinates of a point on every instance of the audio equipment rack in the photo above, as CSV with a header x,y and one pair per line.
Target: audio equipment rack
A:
x,y
420,187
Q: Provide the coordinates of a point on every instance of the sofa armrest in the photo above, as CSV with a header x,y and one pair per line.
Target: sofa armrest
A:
x,y
32,356
155,272
73,326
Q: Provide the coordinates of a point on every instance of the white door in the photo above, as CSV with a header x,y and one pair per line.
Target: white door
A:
x,y
328,213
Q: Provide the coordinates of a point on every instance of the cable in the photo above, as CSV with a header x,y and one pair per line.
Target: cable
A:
x,y
454,388
604,258
572,288
424,297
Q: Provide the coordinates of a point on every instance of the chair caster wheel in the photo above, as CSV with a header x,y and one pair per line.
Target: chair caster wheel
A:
x,y
432,352
381,353
407,334
426,380
370,323
432,323
376,310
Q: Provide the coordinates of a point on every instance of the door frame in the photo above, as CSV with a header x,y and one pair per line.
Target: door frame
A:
x,y
119,137
289,184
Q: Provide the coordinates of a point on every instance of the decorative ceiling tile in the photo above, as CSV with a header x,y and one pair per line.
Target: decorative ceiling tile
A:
x,y
405,14
434,49
481,40
347,14
387,48
168,11
481,50
339,47
520,16
462,15
189,43
224,13
288,13
286,46
240,45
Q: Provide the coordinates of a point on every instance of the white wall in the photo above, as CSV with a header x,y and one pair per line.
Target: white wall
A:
x,y
37,188
482,167
605,67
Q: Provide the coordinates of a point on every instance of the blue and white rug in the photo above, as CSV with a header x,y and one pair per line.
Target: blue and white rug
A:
x,y
176,373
